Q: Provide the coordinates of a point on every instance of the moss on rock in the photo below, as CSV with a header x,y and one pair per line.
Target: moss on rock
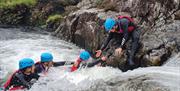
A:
x,y
54,18
4,4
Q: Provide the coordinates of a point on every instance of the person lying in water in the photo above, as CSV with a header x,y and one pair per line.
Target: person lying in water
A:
x,y
82,61
24,77
47,62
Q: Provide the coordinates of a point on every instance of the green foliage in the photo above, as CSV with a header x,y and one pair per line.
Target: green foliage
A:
x,y
12,3
54,18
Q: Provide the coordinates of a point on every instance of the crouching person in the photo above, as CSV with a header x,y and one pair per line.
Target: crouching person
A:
x,y
22,78
82,61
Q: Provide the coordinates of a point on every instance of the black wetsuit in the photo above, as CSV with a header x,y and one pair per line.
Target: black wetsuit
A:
x,y
19,79
122,38
91,64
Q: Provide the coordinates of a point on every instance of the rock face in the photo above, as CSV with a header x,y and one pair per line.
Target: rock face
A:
x,y
155,18
162,42
17,15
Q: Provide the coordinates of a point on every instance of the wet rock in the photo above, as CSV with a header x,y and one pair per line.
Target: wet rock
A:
x,y
140,83
43,10
34,15
15,16
86,4
82,28
177,15
159,37
161,43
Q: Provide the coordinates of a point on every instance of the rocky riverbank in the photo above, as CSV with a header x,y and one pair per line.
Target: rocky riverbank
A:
x,y
158,21
81,22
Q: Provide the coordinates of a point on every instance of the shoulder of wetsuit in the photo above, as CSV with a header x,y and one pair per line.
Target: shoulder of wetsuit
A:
x,y
39,68
18,77
10,80
127,17
37,63
25,83
123,20
130,22
19,74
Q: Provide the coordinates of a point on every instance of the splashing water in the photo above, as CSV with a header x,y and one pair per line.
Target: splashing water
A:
x,y
165,78
15,45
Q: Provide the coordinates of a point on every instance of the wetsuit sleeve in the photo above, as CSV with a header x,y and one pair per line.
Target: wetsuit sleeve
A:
x,y
107,41
35,75
124,23
38,68
56,64
93,63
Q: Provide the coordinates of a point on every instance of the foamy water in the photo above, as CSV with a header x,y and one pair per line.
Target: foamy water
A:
x,y
15,45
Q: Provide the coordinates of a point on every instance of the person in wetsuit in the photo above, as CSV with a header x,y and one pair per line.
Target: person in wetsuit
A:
x,y
82,61
121,30
47,62
24,77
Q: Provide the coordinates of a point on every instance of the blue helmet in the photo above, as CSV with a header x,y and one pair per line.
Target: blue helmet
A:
x,y
84,55
46,57
109,23
26,62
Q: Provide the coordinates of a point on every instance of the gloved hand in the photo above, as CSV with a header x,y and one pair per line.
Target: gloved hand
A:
x,y
98,53
118,52
103,58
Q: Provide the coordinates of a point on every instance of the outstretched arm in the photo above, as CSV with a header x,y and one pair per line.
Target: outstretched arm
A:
x,y
95,62
107,41
62,63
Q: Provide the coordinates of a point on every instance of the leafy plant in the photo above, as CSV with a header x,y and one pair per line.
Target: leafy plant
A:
x,y
54,18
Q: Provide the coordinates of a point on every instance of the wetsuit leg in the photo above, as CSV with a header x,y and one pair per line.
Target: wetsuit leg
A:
x,y
134,46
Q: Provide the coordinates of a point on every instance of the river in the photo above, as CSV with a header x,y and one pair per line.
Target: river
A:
x,y
16,44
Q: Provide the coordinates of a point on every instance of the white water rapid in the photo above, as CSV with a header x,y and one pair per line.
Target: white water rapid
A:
x,y
15,45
